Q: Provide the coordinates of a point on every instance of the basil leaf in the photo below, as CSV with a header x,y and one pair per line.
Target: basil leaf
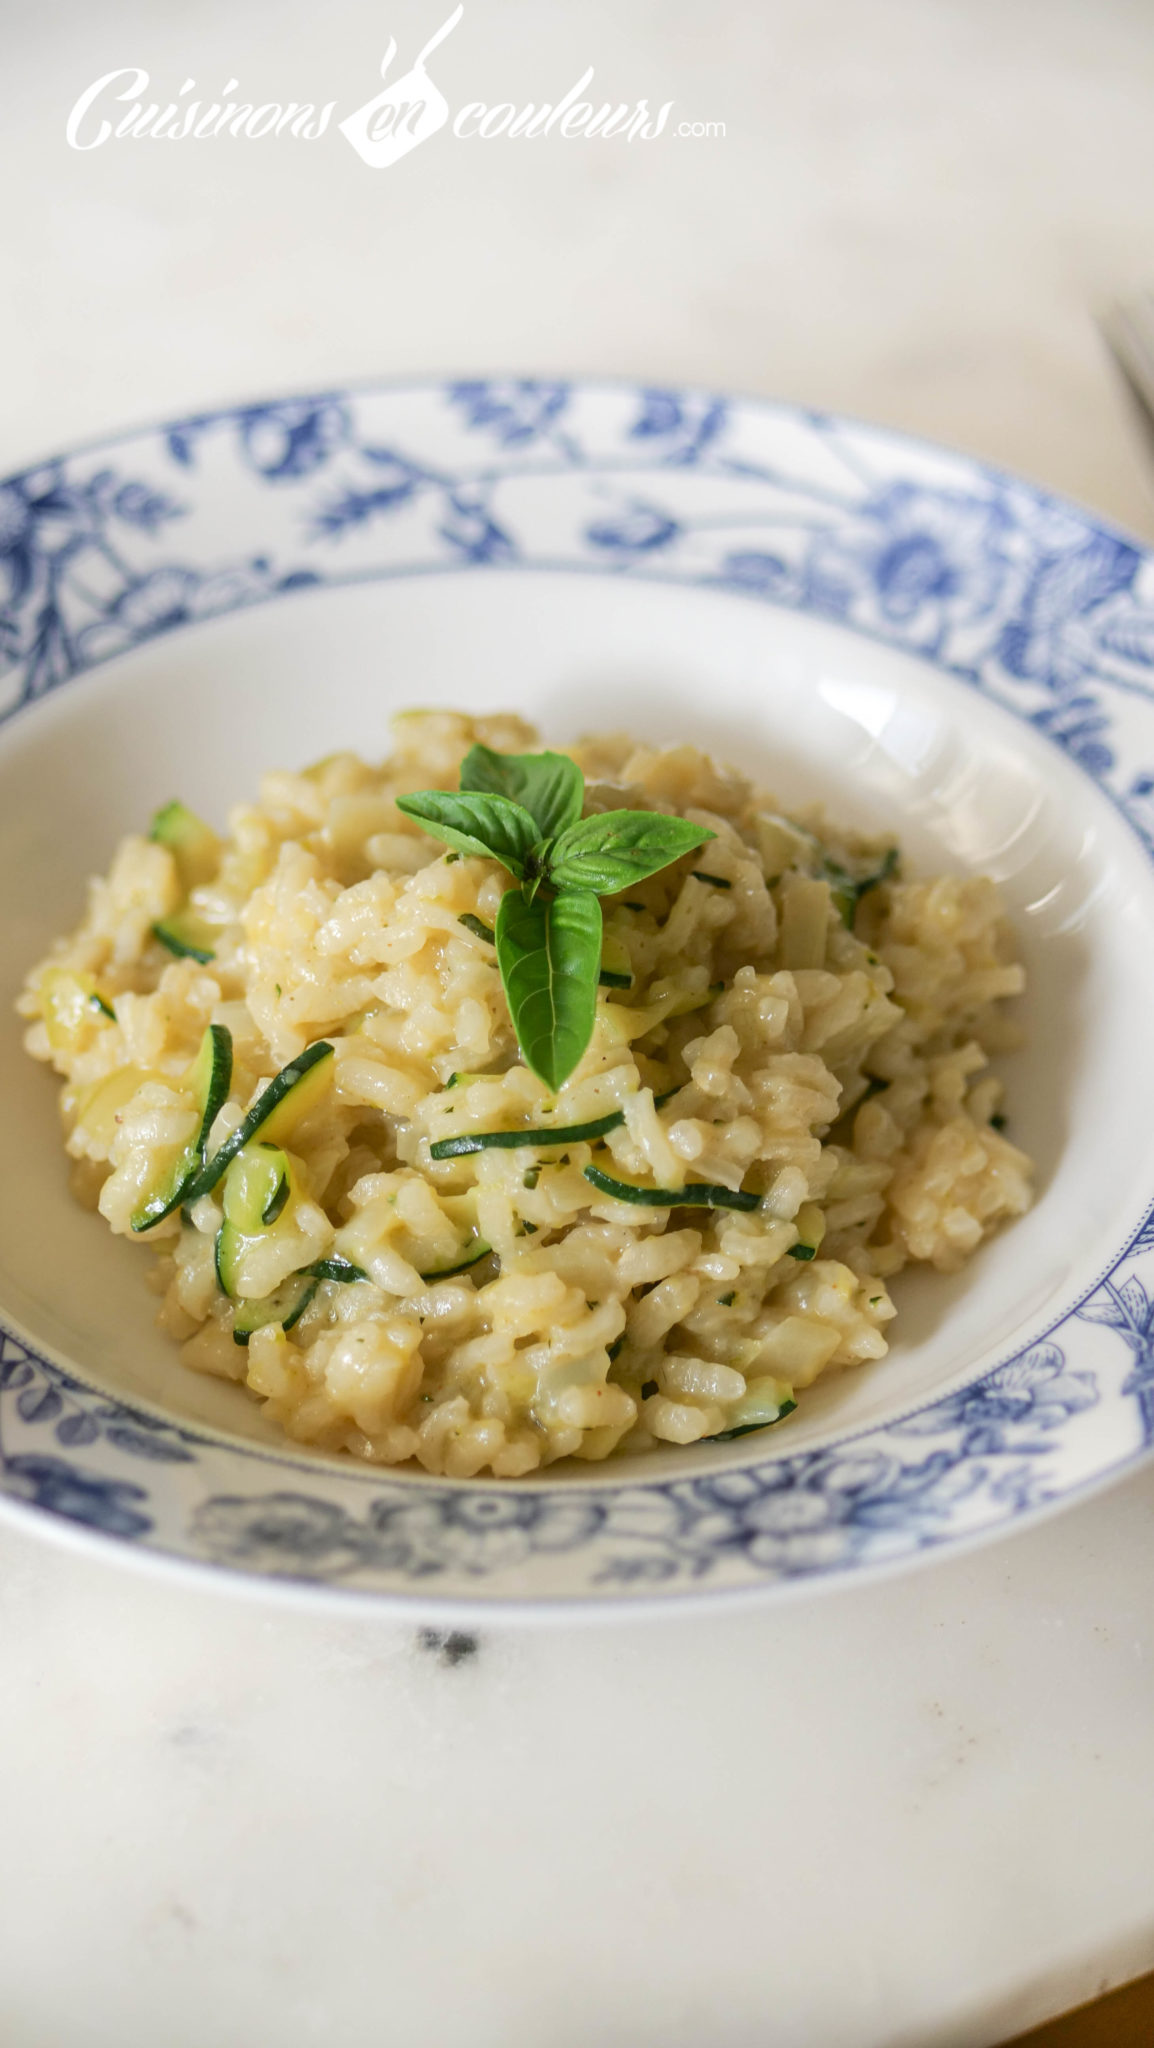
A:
x,y
617,848
549,954
490,826
550,787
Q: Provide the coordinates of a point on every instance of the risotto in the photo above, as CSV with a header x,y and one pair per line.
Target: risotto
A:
x,y
785,1099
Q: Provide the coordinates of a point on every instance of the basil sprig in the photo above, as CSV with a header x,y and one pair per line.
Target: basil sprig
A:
x,y
524,810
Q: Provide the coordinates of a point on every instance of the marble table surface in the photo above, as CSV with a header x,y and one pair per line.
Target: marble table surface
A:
x,y
916,1814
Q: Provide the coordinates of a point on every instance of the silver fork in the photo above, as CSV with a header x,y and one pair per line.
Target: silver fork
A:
x,y
1128,330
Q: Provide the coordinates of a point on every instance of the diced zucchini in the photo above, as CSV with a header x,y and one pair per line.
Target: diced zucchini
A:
x,y
684,1005
783,844
289,1098
726,1436
209,1079
196,851
286,1101
847,888
69,1000
616,966
698,1194
257,1188
632,1023
356,1021
230,1243
187,936
475,1252
810,1231
193,844
288,1302
336,1268
285,1305
98,1108
479,930
766,1400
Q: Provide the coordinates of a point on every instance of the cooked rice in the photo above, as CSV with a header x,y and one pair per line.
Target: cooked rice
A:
x,y
840,1074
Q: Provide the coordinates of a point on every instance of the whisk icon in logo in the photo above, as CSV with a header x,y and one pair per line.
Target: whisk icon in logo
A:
x,y
405,113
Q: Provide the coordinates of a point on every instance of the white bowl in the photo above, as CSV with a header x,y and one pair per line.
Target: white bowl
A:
x,y
920,641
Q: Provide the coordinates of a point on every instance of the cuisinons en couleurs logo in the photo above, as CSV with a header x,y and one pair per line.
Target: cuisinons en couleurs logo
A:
x,y
407,110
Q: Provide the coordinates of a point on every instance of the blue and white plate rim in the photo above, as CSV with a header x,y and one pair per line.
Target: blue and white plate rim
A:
x,y
864,1503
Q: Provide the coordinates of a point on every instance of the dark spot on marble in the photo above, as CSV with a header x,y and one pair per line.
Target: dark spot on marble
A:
x,y
449,1646
190,1737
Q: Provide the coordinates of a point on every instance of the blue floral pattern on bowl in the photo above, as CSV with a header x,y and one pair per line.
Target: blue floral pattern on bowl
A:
x,y
1024,597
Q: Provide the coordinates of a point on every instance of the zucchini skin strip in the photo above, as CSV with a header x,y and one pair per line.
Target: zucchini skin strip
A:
x,y
181,948
335,1269
726,1436
508,1141
700,1194
479,1252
